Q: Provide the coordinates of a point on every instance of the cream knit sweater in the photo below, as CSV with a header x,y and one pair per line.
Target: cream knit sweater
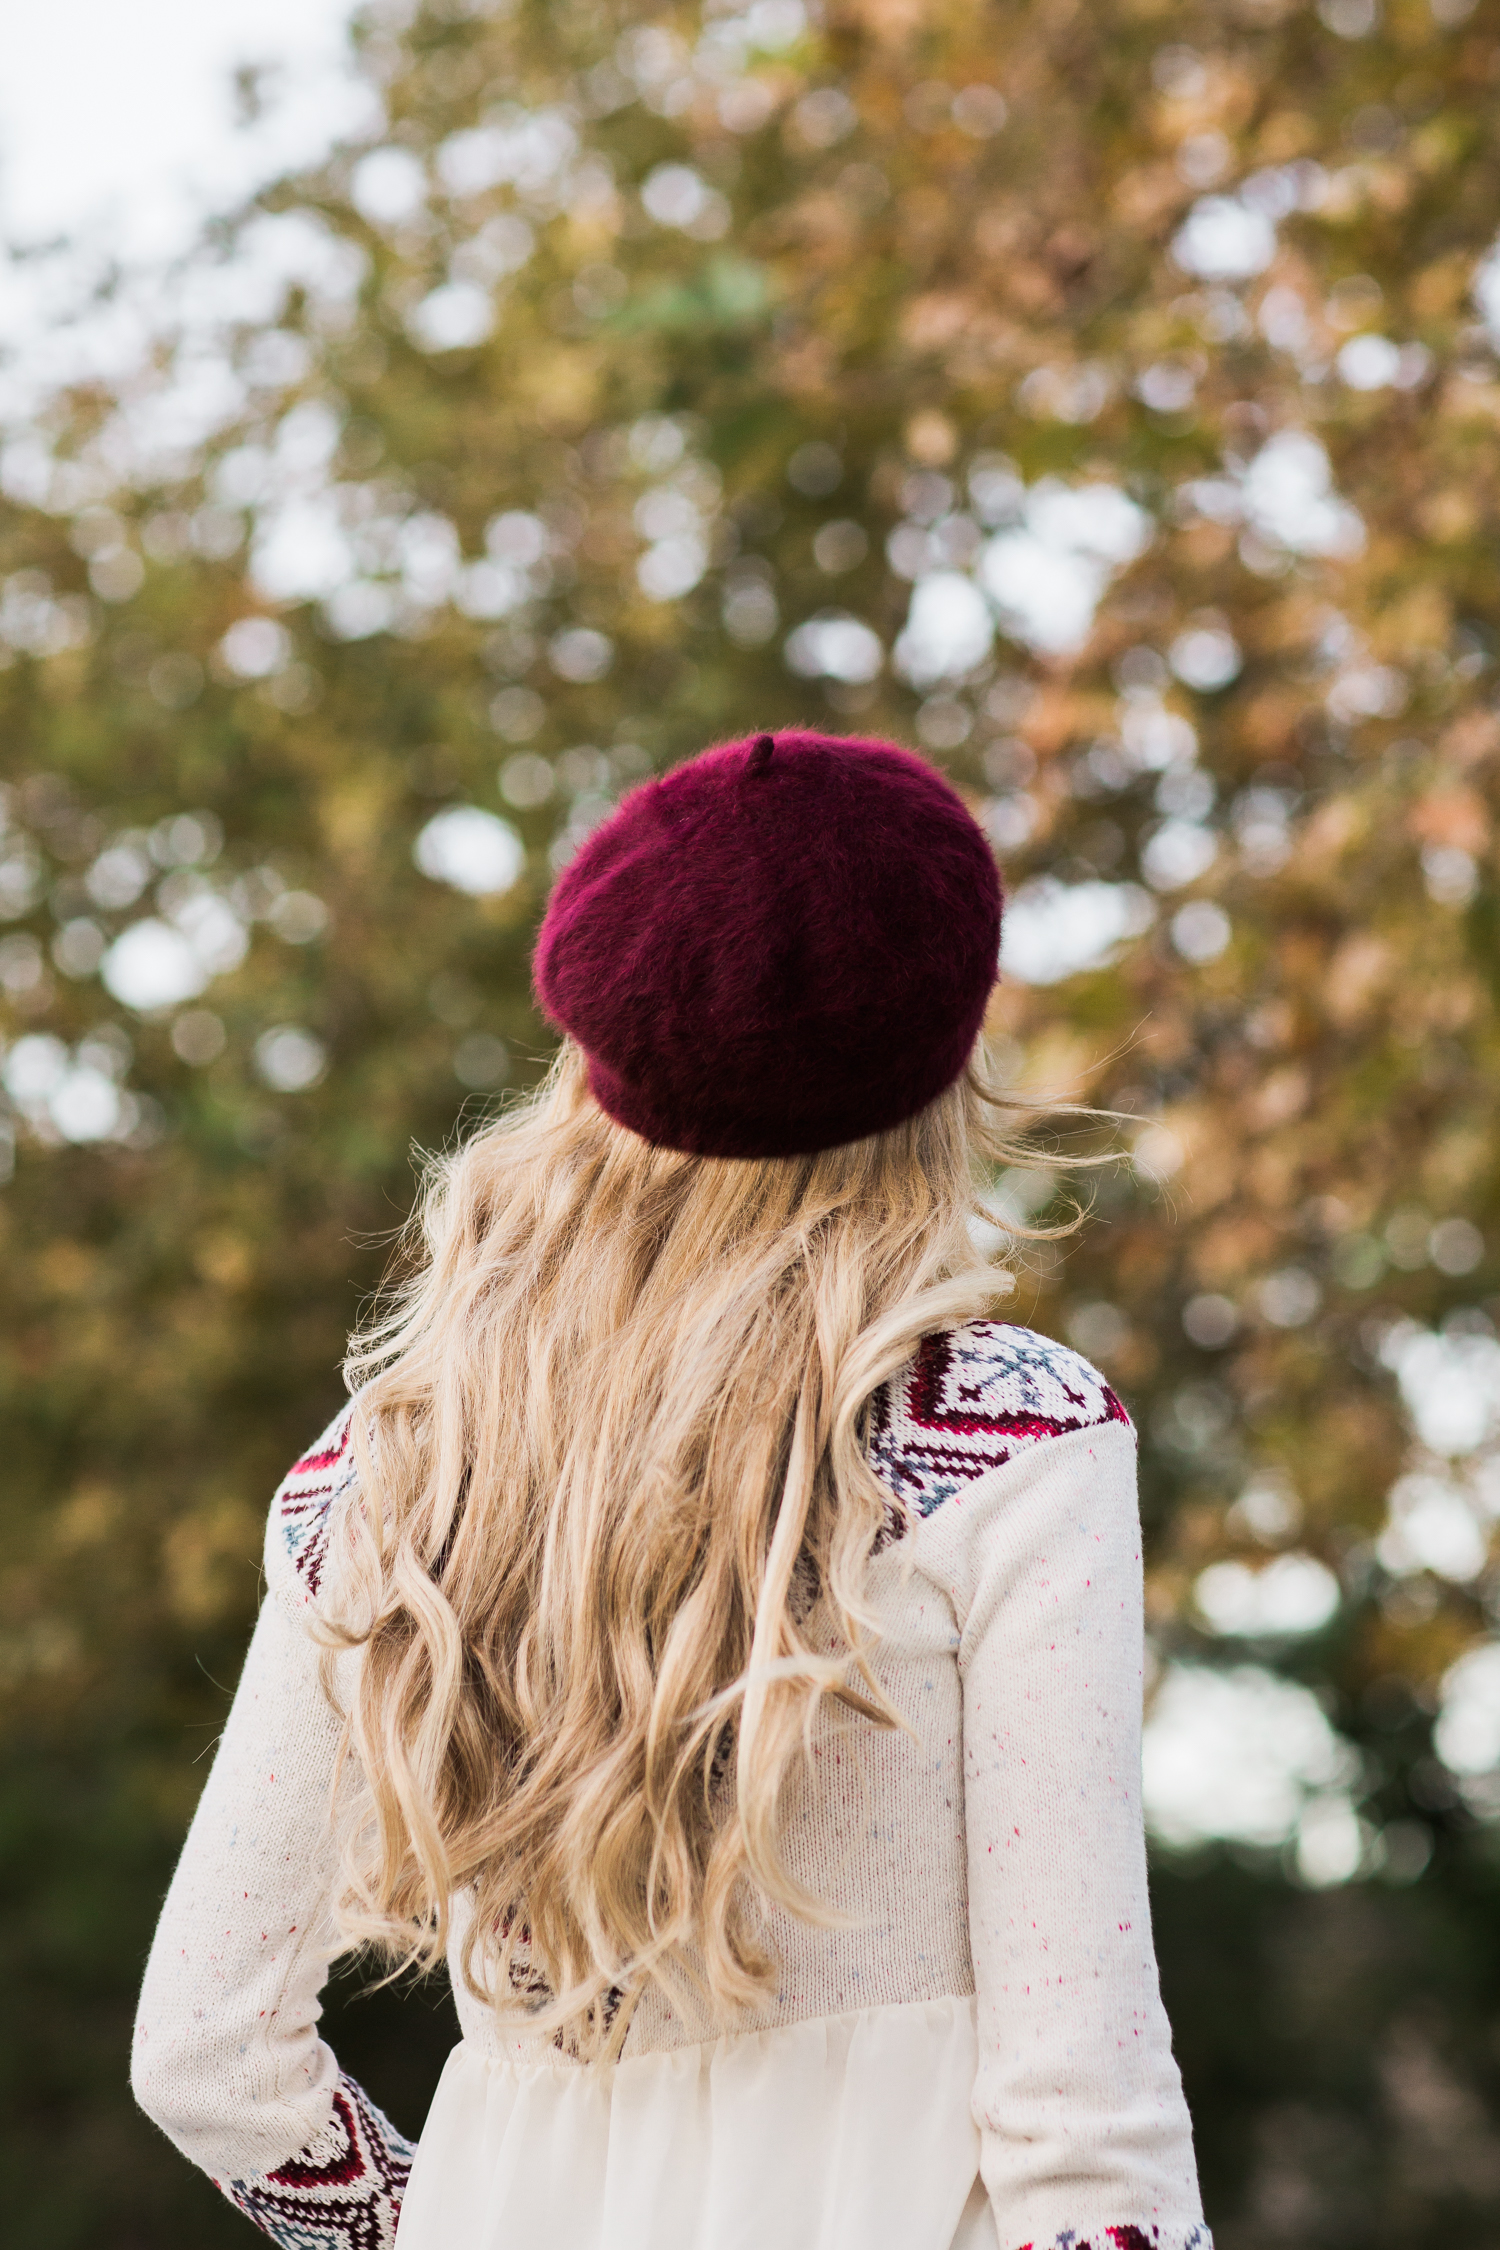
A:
x,y
982,2060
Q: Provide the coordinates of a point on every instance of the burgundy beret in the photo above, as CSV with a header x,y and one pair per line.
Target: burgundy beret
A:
x,y
781,945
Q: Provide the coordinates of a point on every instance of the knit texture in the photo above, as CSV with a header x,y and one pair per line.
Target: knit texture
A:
x,y
969,1402
302,1517
766,953
998,1856
343,2190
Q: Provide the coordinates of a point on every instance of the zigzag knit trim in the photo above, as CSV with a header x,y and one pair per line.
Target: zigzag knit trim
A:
x,y
968,1401
343,2191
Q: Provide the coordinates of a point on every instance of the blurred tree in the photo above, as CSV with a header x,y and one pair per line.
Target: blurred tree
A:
x,y
1107,399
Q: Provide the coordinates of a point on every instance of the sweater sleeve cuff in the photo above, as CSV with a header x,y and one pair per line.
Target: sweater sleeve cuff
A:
x,y
342,2190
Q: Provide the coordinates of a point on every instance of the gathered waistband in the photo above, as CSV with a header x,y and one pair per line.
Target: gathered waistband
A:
x,y
849,2132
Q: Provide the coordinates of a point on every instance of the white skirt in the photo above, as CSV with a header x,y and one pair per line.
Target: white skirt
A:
x,y
842,2133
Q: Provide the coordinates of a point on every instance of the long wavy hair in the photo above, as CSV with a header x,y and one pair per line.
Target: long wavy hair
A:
x,y
610,1436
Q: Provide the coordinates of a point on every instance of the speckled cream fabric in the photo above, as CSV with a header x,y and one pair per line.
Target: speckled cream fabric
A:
x,y
981,2062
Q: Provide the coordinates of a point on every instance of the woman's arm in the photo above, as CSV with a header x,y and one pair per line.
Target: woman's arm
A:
x,y
227,2057
1085,2136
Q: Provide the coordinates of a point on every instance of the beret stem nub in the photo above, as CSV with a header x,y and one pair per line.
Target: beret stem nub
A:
x,y
760,753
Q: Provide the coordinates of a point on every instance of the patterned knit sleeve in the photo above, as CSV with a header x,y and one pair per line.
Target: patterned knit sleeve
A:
x,y
1017,1464
227,2058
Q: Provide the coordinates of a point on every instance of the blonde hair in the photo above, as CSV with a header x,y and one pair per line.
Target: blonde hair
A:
x,y
610,1437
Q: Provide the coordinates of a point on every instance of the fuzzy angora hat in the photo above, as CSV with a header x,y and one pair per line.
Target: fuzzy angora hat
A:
x,y
783,944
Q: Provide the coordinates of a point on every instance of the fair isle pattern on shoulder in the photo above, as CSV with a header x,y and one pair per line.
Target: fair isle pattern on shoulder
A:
x,y
343,2191
969,1399
304,1499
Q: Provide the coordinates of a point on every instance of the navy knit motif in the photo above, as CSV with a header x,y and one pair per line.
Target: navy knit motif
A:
x,y
969,1400
343,2191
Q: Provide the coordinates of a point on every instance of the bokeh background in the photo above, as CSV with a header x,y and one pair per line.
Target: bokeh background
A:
x,y
1102,394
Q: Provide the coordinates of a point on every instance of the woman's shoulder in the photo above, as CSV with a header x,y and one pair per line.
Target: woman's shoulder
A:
x,y
302,1512
969,1399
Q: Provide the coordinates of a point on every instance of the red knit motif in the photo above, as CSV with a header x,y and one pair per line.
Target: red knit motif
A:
x,y
343,2191
304,1500
971,1399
